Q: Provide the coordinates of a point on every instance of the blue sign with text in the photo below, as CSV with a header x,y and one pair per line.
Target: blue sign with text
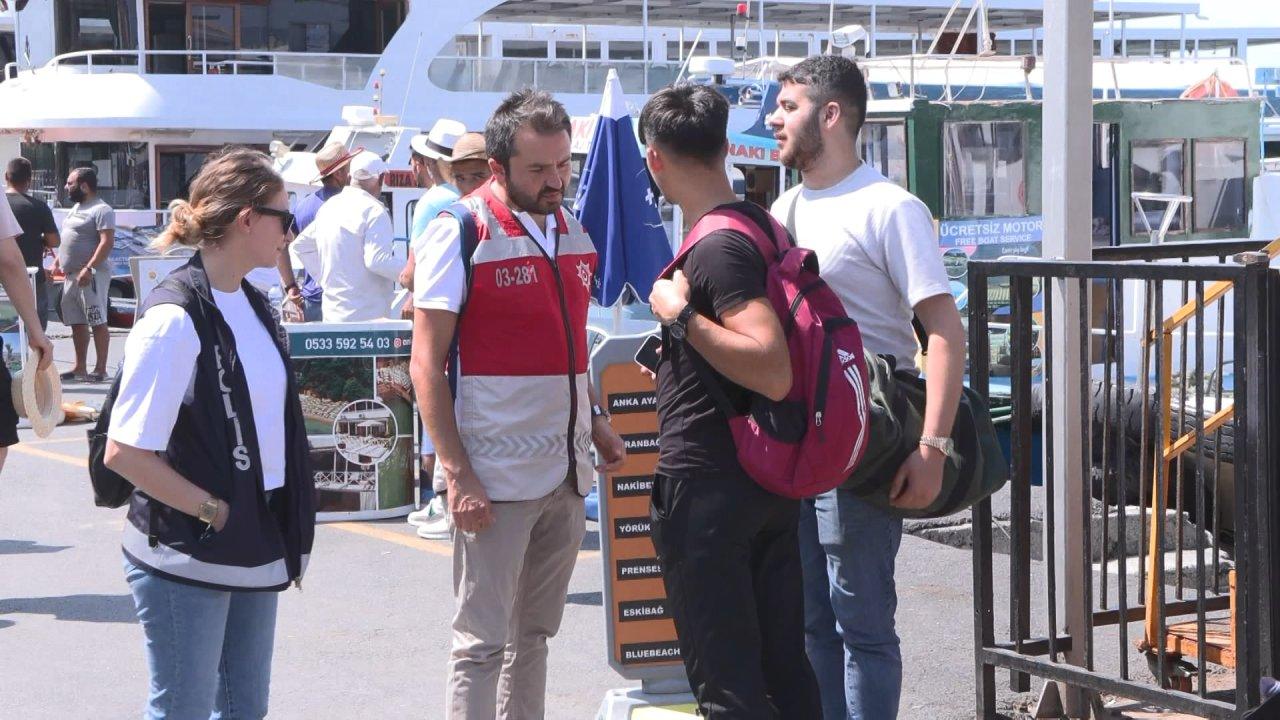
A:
x,y
991,231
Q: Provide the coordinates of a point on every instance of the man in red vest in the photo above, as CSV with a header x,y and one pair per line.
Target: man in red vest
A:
x,y
513,437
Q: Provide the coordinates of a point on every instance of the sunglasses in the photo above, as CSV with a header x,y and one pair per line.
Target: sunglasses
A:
x,y
286,217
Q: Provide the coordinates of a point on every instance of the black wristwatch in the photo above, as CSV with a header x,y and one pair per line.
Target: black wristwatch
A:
x,y
680,327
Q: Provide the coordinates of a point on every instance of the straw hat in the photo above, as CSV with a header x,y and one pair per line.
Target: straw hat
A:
x,y
40,392
332,157
470,147
439,143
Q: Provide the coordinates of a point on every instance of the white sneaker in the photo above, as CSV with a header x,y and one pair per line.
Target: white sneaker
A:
x,y
434,509
439,528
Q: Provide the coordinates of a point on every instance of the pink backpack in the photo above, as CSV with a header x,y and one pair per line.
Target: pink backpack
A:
x,y
810,441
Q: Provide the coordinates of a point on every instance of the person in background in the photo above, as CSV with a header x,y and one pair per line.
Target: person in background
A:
x,y
877,250
88,234
432,153
208,427
13,278
470,170
727,547
431,160
470,164
334,163
517,460
348,247
39,231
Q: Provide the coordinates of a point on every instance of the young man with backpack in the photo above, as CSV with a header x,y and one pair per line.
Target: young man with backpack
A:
x,y
878,251
728,548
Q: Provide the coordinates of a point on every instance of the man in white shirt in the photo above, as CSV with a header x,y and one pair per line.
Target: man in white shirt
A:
x,y
877,249
13,277
348,248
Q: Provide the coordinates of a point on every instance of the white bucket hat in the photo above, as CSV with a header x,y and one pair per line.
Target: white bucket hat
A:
x,y
439,143
37,396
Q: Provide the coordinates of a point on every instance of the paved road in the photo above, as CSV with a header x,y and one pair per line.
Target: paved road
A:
x,y
367,636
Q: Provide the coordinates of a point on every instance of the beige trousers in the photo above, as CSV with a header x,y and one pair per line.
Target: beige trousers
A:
x,y
509,582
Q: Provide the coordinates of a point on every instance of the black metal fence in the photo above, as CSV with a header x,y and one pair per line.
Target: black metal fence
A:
x,y
1178,436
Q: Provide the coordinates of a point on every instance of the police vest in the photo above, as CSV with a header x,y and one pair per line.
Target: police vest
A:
x,y
523,410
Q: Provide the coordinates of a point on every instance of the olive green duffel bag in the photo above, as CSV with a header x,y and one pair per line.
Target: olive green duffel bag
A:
x,y
977,470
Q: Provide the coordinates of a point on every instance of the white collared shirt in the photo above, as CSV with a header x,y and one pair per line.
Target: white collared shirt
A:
x,y
348,249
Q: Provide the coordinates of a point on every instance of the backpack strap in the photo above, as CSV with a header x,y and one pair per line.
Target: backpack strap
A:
x,y
769,238
469,241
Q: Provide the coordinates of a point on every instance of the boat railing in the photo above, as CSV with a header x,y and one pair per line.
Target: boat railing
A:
x,y
339,71
566,75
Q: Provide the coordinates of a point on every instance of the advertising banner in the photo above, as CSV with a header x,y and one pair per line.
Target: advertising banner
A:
x,y
353,381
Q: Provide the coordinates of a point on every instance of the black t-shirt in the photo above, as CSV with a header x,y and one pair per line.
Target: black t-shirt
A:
x,y
724,270
36,219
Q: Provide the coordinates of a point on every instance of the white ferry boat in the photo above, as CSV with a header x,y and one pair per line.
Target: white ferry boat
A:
x,y
144,89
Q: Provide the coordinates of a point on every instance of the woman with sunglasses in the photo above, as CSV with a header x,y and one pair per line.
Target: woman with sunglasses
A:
x,y
207,425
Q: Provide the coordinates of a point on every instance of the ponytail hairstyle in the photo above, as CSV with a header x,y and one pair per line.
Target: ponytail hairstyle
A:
x,y
230,181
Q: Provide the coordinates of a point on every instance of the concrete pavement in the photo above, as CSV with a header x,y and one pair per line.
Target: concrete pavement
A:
x,y
367,637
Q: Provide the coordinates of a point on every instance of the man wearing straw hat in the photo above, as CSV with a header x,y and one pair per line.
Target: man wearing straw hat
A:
x,y
334,164
13,277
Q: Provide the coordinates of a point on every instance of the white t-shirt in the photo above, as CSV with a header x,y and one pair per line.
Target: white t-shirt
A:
x,y
876,249
439,279
9,227
159,367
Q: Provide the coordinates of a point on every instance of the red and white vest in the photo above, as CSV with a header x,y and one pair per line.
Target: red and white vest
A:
x,y
523,411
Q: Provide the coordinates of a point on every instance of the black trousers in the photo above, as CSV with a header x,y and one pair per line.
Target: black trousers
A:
x,y
731,565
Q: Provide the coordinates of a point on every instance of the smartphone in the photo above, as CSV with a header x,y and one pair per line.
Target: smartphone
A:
x,y
647,355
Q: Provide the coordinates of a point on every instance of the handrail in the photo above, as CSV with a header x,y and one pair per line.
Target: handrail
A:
x,y
216,62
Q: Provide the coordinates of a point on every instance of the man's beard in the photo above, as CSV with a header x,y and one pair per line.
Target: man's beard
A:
x,y
76,195
535,203
804,148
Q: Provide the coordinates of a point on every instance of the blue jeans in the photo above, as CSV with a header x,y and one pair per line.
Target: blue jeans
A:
x,y
209,651
847,552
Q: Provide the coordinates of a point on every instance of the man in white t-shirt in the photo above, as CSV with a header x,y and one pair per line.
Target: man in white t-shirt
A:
x,y
348,248
13,277
877,250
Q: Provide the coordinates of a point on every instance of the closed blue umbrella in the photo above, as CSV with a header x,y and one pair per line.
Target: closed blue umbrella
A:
x,y
617,206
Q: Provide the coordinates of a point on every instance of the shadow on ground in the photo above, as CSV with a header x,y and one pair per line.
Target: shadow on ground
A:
x,y
585,598
81,608
28,547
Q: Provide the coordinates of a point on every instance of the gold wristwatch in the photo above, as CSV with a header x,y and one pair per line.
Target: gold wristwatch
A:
x,y
208,510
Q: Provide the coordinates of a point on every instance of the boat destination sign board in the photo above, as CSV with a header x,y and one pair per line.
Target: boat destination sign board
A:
x,y
641,634
991,231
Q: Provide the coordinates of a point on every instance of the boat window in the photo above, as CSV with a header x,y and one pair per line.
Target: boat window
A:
x,y
566,50
789,48
1158,167
626,50
345,26
703,49
524,49
984,169
884,147
124,177
892,48
1218,193
472,45
95,25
